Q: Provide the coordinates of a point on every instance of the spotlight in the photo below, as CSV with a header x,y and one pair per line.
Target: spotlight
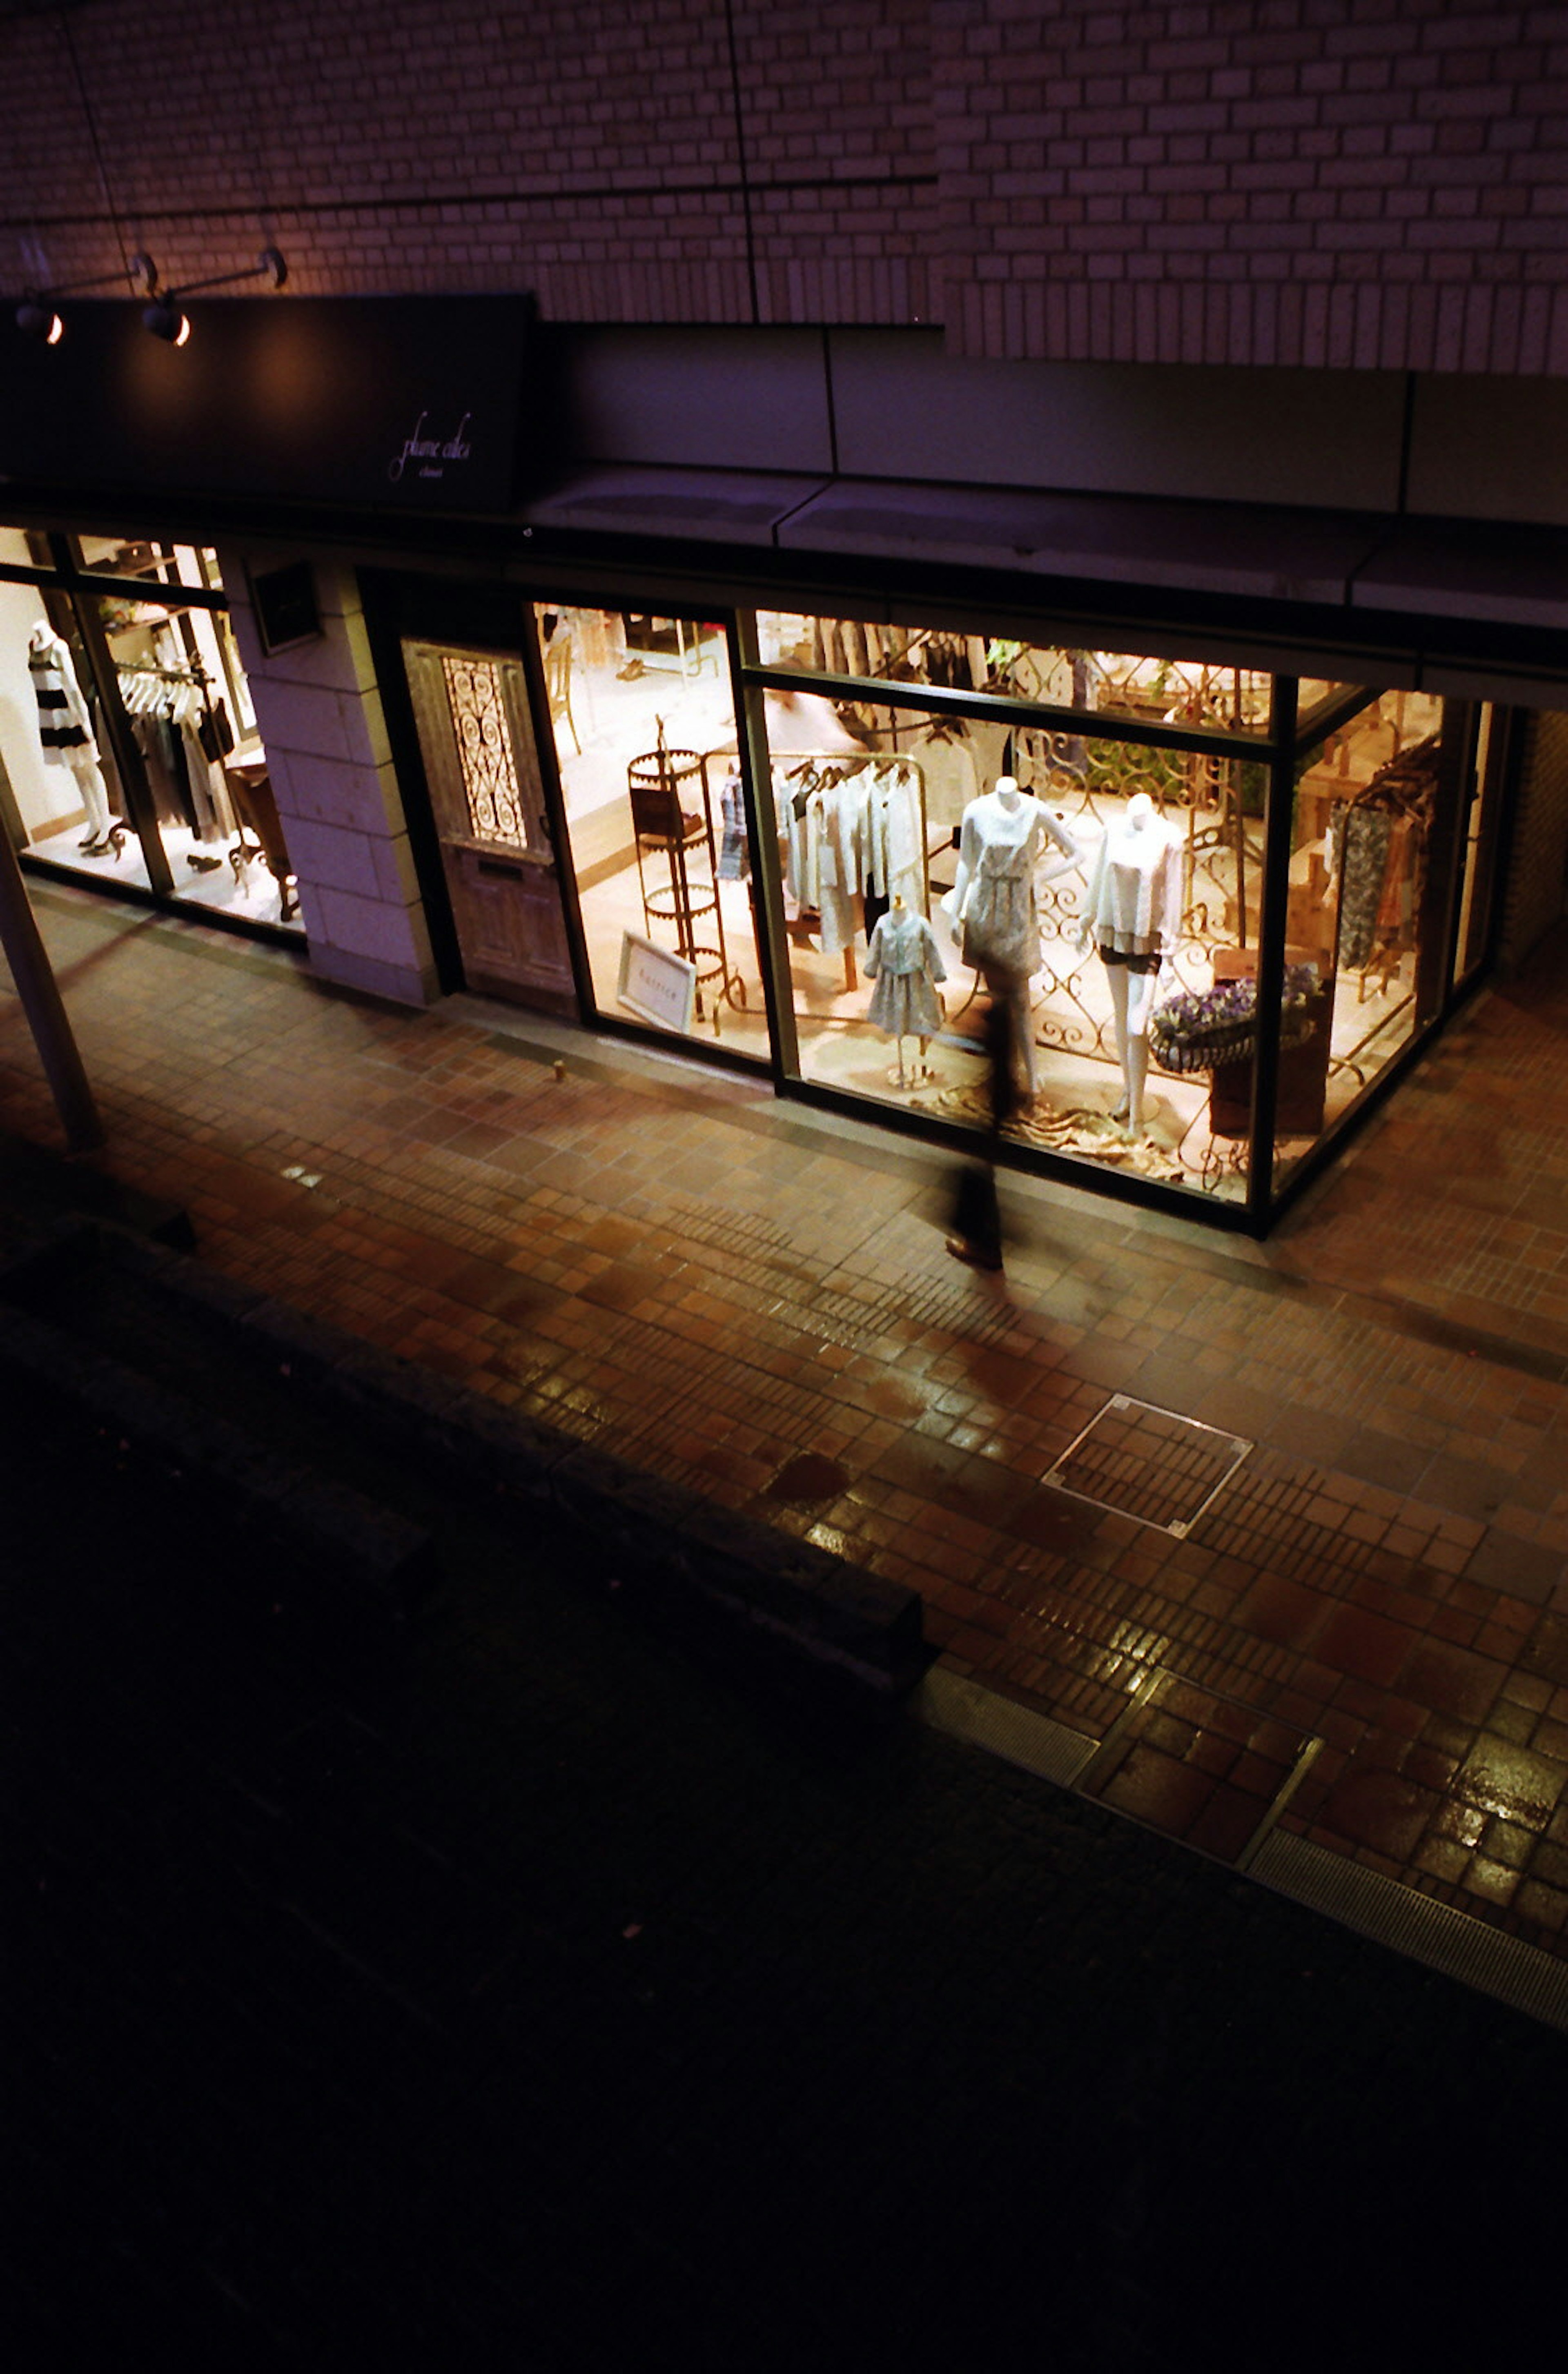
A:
x,y
39,321
164,317
37,317
165,320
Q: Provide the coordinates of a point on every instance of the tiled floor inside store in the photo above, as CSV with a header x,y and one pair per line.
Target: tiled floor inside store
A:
x,y
1360,1641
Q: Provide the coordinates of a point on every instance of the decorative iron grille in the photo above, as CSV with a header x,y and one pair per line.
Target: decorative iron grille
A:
x,y
491,787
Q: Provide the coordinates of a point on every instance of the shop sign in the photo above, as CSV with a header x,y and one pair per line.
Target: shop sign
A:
x,y
396,403
655,985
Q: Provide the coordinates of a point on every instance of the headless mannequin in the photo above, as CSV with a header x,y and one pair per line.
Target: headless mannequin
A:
x,y
992,900
898,1014
1133,915
81,755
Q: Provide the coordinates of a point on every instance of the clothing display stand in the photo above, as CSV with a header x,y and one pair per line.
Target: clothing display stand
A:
x,y
659,784
847,763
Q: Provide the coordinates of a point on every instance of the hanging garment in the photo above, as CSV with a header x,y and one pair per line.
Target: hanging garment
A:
x,y
905,962
1368,832
734,854
837,803
951,782
892,861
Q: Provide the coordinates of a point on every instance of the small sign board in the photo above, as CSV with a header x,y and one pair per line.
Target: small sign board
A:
x,y
656,985
284,604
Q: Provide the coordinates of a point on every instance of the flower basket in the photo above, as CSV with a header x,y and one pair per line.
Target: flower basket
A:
x,y
1201,1029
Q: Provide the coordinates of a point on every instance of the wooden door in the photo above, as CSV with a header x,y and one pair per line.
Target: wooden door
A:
x,y
482,766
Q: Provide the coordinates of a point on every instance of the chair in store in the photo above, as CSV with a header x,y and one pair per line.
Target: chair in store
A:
x,y
558,682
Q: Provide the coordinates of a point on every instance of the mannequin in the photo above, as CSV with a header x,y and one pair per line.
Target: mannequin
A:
x,y
992,900
1133,916
906,965
65,729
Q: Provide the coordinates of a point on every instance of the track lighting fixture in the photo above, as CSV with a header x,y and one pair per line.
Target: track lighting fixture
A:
x,y
37,316
166,317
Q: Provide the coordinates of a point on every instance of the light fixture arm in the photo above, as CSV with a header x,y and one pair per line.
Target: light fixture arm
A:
x,y
141,272
268,265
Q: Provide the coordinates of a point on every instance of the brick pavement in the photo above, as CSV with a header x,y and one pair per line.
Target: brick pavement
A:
x,y
712,1284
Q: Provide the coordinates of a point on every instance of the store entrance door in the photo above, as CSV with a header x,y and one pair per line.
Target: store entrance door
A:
x,y
476,739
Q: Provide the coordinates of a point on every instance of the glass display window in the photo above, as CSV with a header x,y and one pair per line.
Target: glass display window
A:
x,y
642,722
66,799
1376,822
931,862
1176,692
128,739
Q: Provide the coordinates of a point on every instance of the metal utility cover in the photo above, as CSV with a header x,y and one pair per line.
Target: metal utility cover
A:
x,y
1148,1463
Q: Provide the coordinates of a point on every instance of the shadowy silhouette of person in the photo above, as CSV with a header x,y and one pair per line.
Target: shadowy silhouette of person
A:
x,y
977,1217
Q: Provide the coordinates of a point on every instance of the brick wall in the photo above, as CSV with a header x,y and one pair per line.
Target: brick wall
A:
x,y
1318,182
1340,182
1537,871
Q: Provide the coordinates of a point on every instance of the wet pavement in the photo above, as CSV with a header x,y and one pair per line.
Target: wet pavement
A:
x,y
1359,1640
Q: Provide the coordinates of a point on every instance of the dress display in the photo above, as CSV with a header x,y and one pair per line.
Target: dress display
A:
x,y
65,735
905,963
1003,837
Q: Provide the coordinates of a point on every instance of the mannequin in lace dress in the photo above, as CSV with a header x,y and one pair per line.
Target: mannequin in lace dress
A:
x,y
1133,915
992,903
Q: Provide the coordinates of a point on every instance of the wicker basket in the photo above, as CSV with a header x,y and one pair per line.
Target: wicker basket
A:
x,y
1182,1048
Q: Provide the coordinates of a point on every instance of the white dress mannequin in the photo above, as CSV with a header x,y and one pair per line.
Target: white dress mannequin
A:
x,y
65,729
992,901
1133,916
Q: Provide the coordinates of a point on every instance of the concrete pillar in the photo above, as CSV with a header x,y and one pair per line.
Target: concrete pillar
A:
x,y
320,722
1533,898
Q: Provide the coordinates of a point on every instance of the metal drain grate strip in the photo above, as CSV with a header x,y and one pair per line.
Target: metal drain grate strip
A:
x,y
1456,1944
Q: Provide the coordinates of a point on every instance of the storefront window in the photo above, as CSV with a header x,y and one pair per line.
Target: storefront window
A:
x,y
154,692
647,756
1097,683
1101,886
1374,809
67,802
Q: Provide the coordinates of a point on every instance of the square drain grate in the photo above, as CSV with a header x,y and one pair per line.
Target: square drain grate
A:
x,y
1148,1463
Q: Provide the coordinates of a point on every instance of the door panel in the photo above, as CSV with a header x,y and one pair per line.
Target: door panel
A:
x,y
476,739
